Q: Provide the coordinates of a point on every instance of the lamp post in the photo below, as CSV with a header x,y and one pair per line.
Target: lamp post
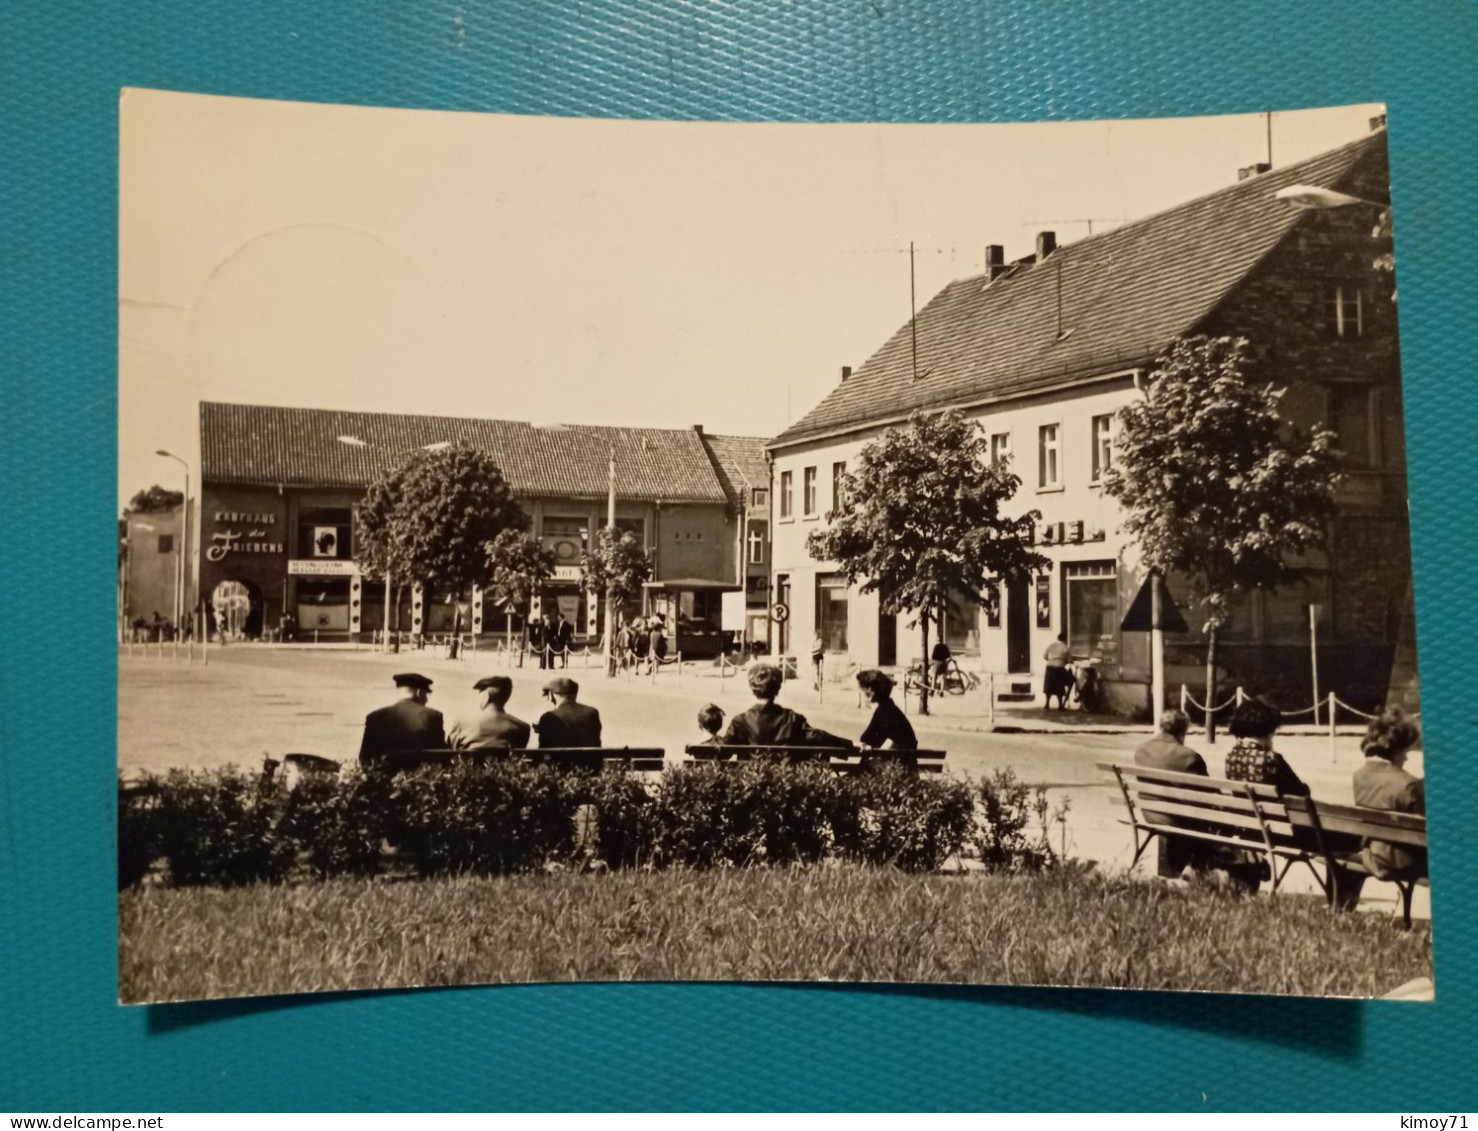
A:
x,y
356,442
608,654
179,595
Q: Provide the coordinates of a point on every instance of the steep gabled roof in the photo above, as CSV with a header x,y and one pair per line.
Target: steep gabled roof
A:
x,y
741,464
1124,294
300,447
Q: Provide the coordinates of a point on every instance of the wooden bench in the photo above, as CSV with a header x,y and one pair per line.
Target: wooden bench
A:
x,y
1257,819
840,758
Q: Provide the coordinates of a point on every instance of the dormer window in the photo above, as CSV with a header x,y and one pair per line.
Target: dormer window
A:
x,y
760,497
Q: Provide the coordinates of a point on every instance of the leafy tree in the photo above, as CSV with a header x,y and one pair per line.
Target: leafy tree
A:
x,y
520,566
432,517
617,565
156,500
920,521
1217,486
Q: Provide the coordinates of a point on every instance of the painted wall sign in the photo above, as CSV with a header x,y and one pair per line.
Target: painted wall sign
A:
x,y
235,542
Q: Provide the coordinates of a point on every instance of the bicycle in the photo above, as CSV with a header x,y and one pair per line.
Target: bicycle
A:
x,y
956,680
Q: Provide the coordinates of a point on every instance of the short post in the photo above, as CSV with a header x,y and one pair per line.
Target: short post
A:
x,y
190,650
990,699
1241,695
1183,703
679,669
1332,754
315,636
1314,656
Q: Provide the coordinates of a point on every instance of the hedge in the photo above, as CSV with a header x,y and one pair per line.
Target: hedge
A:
x,y
224,827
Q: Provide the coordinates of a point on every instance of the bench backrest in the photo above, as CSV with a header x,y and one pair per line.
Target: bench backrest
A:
x,y
1353,821
630,757
1232,812
841,758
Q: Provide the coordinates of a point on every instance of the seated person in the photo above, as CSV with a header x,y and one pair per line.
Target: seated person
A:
x,y
1383,783
407,726
494,728
889,728
1167,751
710,722
1253,759
768,724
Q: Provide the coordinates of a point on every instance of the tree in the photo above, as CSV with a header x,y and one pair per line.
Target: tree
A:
x,y
616,567
920,521
432,517
156,500
1217,486
520,566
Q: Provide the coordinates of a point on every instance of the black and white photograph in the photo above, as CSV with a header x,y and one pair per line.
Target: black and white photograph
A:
x,y
578,550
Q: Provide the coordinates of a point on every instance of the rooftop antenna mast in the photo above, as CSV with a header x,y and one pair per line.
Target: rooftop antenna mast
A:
x,y
913,319
1269,117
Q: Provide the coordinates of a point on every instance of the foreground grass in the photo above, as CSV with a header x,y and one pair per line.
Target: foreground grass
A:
x,y
842,923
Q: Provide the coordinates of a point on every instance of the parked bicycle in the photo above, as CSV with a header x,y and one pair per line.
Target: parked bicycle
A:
x,y
955,680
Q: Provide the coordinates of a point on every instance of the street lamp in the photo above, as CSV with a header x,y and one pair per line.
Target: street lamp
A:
x,y
179,596
356,442
1322,199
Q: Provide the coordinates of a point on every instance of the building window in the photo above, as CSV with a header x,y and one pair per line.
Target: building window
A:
x,y
831,611
961,628
808,492
1346,312
325,532
1049,473
760,496
1092,613
1000,447
787,503
838,485
1352,416
1103,445
166,543
756,547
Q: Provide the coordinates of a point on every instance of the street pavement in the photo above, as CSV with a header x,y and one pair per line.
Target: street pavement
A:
x,y
250,701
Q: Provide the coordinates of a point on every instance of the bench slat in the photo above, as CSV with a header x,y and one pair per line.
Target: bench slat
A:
x,y
1171,777
1250,843
1350,820
1215,817
1210,798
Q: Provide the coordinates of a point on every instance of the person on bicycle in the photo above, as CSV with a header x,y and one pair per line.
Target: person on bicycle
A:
x,y
938,665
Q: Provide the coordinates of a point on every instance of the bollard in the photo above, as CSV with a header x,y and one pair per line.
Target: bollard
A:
x,y
1333,754
1240,695
1183,701
315,636
990,700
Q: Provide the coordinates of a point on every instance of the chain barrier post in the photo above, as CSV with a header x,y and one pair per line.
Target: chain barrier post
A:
x,y
1332,753
1241,695
1183,697
990,699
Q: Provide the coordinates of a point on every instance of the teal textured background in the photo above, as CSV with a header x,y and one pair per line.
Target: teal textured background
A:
x,y
64,1045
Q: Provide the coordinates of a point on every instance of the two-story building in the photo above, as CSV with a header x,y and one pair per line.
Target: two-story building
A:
x,y
1045,350
280,487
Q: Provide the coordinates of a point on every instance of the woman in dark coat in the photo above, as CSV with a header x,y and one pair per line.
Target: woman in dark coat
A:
x,y
889,728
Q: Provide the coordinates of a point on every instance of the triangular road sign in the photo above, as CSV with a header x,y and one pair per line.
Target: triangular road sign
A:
x,y
1140,616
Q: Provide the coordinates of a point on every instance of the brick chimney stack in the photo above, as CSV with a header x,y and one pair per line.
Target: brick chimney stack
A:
x,y
995,262
846,372
1046,244
1251,171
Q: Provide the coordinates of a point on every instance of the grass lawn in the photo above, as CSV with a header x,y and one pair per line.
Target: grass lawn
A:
x,y
843,923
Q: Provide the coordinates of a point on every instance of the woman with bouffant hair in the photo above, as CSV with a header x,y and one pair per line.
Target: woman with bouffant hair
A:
x,y
1253,758
888,727
1383,783
769,724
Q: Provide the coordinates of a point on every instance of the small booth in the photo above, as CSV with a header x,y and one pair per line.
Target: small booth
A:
x,y
694,611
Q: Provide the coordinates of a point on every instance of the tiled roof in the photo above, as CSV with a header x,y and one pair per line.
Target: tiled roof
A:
x,y
741,464
1124,295
300,447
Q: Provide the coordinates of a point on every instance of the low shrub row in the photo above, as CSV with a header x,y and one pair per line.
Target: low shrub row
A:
x,y
225,827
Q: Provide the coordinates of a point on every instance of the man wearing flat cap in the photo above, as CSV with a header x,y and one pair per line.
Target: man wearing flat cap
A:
x,y
569,723
405,726
494,728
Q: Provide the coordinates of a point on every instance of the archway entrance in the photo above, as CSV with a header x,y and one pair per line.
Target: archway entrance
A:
x,y
236,606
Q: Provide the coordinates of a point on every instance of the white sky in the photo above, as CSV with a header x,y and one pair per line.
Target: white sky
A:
x,y
577,270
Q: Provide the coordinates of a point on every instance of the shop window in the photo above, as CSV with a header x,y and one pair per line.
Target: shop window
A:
x,y
786,501
323,604
808,492
1092,614
1049,473
1103,445
166,543
635,527
831,611
961,628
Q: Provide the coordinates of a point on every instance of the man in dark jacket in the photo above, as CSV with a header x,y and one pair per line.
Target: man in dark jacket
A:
x,y
564,639
1168,751
768,724
403,727
569,723
493,728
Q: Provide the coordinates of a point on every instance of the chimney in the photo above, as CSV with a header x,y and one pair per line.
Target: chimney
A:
x,y
1377,123
995,262
1046,244
1251,171
698,428
846,372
